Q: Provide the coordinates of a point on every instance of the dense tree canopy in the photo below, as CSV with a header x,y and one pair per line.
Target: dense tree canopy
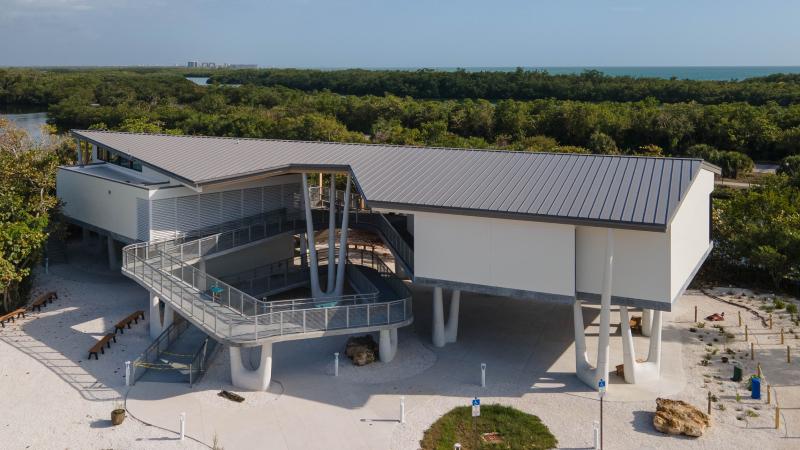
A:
x,y
521,84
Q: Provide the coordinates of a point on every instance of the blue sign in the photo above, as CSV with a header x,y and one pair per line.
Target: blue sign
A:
x,y
601,384
476,402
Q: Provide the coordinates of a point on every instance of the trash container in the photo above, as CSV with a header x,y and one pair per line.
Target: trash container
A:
x,y
756,394
737,373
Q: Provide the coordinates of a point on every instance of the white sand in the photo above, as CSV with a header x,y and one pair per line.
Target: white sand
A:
x,y
52,397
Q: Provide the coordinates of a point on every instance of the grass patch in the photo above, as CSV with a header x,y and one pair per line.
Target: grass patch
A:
x,y
518,430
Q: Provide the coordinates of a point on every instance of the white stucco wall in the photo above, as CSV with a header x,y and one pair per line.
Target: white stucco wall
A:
x,y
105,204
641,263
513,254
689,232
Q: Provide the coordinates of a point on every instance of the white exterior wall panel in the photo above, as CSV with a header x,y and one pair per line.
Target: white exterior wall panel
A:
x,y
513,254
641,263
689,232
101,203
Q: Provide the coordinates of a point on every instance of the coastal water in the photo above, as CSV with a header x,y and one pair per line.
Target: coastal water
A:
x,y
720,73
30,121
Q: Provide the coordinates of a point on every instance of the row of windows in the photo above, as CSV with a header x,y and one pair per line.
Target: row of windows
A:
x,y
105,155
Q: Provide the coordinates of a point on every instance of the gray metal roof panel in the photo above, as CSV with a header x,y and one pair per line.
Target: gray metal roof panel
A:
x,y
573,188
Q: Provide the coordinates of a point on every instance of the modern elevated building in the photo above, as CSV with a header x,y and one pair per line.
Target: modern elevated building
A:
x,y
222,230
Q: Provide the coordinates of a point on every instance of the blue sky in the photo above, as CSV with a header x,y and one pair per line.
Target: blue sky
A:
x,y
400,33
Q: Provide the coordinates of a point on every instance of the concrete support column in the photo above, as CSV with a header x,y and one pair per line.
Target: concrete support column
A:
x,y
602,367
438,318
451,330
338,290
201,282
112,253
169,317
582,367
155,316
303,250
316,291
84,235
654,353
332,237
256,378
628,352
387,345
647,321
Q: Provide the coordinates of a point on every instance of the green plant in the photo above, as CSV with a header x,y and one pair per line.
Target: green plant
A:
x,y
738,398
721,406
791,308
518,429
779,304
751,413
701,325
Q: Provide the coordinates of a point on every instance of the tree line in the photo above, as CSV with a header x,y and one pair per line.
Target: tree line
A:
x,y
589,86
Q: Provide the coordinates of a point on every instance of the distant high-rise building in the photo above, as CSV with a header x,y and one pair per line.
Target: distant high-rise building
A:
x,y
192,64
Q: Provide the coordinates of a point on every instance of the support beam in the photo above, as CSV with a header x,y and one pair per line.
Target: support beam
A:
x,y
641,372
387,345
168,318
647,321
451,329
256,378
339,288
316,291
654,353
582,367
332,236
438,318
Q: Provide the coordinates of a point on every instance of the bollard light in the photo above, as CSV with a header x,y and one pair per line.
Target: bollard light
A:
x,y
402,410
127,373
183,425
483,374
456,446
596,434
336,364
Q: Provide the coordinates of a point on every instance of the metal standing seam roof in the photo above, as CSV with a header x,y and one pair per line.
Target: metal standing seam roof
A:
x,y
601,190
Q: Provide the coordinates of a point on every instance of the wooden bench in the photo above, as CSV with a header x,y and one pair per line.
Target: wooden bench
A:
x,y
99,345
43,299
12,316
126,322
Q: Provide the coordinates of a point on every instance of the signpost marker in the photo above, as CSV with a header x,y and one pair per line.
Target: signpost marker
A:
x,y
601,389
476,412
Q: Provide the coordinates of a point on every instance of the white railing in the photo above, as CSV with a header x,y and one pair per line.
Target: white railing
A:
x,y
232,314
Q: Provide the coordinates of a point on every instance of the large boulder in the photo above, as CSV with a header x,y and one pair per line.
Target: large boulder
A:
x,y
678,417
362,350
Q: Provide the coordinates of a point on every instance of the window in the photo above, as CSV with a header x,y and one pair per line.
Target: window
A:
x,y
113,158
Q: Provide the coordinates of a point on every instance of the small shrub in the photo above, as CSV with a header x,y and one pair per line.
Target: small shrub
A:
x,y
714,398
738,400
751,413
701,324
721,406
779,304
791,308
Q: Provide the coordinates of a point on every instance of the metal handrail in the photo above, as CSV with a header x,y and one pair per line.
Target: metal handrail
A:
x,y
161,266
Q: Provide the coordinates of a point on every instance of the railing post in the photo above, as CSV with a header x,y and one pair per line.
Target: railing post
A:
x,y
368,307
347,317
304,320
326,318
388,314
255,327
281,319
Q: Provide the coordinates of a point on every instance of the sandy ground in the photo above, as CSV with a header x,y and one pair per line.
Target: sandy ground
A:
x,y
52,397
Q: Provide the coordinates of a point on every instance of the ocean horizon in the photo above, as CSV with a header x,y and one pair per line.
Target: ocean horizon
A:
x,y
711,73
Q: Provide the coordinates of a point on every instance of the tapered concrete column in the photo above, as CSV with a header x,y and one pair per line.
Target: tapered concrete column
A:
x,y
387,345
654,353
256,378
647,321
601,369
628,352
339,288
155,316
168,318
316,291
303,250
451,330
332,237
112,253
438,318
582,367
